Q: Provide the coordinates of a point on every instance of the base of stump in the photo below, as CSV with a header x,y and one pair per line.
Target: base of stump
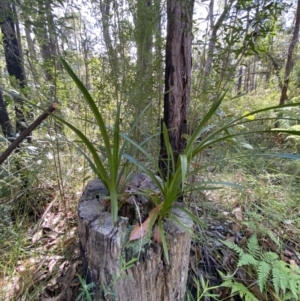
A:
x,y
104,249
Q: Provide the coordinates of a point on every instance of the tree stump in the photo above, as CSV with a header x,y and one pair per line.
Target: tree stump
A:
x,y
105,251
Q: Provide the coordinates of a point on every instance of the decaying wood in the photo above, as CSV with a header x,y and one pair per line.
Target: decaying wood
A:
x,y
105,246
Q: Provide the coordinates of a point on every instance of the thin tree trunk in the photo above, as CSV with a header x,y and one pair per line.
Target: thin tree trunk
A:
x,y
159,56
289,61
177,76
31,53
112,56
144,23
213,38
5,123
253,85
18,36
240,80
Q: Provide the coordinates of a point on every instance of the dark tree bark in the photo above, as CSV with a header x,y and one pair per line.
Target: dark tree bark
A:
x,y
13,57
5,123
45,33
11,45
177,76
289,61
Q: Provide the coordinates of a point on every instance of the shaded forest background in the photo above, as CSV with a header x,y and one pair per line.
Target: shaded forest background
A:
x,y
247,48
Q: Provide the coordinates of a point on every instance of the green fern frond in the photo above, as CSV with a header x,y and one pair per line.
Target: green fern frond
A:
x,y
274,238
241,289
269,257
276,279
247,259
294,285
284,278
295,290
253,246
263,271
285,282
233,247
287,297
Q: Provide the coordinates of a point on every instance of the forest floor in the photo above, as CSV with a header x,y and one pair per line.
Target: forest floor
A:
x,y
40,258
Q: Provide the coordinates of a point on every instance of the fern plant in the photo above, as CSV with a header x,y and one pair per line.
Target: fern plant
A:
x,y
269,269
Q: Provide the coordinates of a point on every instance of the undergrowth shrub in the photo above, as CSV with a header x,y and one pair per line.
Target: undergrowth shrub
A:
x,y
273,275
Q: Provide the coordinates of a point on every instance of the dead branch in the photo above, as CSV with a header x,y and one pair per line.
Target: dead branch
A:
x,y
26,132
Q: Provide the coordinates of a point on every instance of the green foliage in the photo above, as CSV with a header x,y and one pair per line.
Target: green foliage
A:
x,y
173,187
239,288
203,290
284,278
85,290
111,173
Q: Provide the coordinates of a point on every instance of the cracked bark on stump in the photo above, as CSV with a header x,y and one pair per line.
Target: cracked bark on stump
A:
x,y
103,245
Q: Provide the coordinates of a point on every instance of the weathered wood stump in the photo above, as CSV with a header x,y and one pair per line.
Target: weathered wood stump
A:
x,y
105,250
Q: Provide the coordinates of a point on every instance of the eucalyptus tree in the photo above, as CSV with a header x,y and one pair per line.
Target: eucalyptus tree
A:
x,y
13,58
145,21
178,71
5,122
290,61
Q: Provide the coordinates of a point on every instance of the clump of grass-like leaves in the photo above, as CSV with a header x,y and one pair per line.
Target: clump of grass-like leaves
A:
x,y
176,184
112,173
177,181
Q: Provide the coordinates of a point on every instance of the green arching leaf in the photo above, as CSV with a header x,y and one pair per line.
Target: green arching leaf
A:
x,y
248,115
90,161
146,170
141,149
197,132
152,221
123,148
169,151
207,185
192,216
90,101
184,169
113,195
116,142
101,170
164,241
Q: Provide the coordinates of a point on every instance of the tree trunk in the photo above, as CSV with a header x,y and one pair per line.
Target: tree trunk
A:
x,y
111,52
13,59
105,251
5,123
159,59
289,61
177,76
253,75
46,42
240,80
144,23
213,38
